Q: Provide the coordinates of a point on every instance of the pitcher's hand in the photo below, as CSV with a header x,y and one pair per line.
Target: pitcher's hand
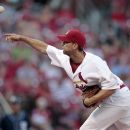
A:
x,y
12,37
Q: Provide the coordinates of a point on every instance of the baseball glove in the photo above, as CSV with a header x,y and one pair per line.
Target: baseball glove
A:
x,y
89,92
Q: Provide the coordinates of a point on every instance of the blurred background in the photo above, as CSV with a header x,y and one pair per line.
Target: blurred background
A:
x,y
37,96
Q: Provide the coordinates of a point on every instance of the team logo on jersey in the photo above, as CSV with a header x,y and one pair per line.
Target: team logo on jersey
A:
x,y
81,83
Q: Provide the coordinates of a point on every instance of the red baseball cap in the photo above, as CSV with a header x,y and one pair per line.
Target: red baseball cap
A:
x,y
74,35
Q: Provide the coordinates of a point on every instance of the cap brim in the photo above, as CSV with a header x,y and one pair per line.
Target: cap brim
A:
x,y
62,38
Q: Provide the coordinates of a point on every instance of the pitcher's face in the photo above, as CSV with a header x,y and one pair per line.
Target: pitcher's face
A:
x,y
68,48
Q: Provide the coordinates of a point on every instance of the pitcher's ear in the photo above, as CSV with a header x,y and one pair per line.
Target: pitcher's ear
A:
x,y
75,45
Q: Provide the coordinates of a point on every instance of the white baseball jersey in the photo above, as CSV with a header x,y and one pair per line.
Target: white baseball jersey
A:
x,y
92,71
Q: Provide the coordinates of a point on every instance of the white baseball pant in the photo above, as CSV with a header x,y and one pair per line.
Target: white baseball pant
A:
x,y
106,115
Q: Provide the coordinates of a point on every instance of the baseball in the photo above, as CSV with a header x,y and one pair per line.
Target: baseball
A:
x,y
2,9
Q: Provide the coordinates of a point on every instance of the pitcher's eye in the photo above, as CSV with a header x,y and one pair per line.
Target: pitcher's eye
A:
x,y
65,43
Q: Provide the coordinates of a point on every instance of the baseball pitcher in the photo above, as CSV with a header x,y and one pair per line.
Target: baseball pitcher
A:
x,y
92,76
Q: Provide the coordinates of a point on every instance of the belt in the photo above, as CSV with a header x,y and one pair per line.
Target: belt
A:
x,y
122,86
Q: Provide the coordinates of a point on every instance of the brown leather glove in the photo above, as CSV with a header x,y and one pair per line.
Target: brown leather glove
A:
x,y
89,92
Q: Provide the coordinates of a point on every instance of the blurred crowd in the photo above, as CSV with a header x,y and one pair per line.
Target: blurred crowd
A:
x,y
42,95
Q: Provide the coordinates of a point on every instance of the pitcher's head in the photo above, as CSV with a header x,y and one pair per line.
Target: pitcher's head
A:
x,y
72,40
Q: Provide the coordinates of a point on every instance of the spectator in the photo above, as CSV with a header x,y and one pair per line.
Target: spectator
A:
x,y
18,120
40,116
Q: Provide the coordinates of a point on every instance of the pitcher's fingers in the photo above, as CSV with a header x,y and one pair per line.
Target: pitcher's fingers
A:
x,y
8,39
9,34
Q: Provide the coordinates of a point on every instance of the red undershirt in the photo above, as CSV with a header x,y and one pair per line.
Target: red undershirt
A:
x,y
74,66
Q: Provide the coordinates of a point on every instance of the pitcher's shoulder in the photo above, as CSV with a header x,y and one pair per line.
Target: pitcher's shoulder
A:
x,y
93,57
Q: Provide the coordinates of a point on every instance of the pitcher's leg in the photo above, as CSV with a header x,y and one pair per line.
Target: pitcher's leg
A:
x,y
124,122
112,127
103,117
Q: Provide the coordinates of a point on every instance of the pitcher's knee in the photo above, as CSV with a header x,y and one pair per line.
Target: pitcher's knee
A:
x,y
86,126
90,125
82,127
